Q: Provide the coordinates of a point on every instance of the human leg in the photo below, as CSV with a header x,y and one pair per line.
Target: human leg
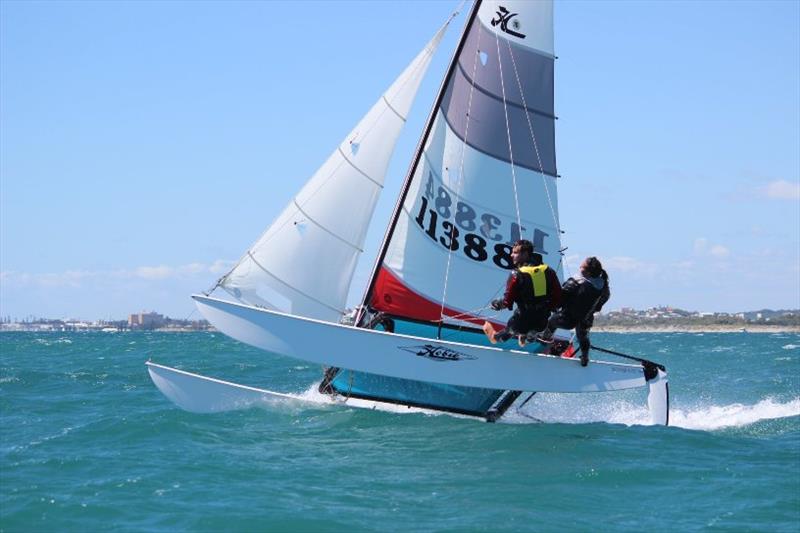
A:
x,y
558,320
582,333
514,325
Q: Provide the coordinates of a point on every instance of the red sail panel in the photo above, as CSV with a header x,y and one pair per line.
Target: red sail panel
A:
x,y
393,297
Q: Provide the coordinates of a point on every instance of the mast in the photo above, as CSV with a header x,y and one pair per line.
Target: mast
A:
x,y
415,161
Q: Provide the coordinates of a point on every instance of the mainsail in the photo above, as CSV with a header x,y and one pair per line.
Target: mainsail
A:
x,y
330,215
485,177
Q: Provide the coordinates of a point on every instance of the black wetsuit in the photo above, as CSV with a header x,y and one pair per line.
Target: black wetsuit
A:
x,y
530,312
582,297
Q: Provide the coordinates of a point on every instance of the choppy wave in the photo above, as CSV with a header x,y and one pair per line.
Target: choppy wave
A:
x,y
51,342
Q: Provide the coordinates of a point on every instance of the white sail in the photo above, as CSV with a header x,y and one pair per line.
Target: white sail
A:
x,y
328,219
486,176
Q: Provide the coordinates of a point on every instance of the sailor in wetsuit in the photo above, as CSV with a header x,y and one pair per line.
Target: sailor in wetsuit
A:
x,y
583,295
532,290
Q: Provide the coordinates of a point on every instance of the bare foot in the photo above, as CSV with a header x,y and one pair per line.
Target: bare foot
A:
x,y
490,332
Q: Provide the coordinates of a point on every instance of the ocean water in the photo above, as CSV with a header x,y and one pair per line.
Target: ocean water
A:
x,y
89,444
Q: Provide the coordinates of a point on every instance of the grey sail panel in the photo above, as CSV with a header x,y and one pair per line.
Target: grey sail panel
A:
x,y
466,108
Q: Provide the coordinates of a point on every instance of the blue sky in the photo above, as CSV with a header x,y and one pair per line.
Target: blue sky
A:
x,y
145,145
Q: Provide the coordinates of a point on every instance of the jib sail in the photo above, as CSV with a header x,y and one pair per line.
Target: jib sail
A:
x,y
330,214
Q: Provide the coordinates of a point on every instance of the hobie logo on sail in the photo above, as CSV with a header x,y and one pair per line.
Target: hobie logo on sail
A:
x,y
504,16
437,353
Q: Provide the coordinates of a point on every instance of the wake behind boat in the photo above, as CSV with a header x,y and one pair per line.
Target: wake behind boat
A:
x,y
483,177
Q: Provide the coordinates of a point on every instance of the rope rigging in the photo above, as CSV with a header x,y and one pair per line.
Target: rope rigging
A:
x,y
563,262
459,182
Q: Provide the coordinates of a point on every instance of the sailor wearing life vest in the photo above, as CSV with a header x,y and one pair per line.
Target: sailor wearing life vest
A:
x,y
532,290
583,296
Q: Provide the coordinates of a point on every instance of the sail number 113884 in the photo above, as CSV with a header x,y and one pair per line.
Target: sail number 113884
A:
x,y
476,237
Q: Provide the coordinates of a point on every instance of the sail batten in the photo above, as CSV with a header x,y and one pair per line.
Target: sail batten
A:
x,y
288,286
372,180
331,233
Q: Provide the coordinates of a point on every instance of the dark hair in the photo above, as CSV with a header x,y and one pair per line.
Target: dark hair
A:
x,y
594,268
525,246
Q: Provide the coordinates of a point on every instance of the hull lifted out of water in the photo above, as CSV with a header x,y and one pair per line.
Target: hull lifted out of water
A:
x,y
201,394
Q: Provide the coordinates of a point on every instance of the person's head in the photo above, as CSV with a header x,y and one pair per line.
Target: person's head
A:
x,y
522,252
591,267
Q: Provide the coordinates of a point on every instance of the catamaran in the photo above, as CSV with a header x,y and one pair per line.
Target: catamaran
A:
x,y
483,176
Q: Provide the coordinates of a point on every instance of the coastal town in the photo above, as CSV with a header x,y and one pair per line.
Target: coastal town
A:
x,y
142,321
663,318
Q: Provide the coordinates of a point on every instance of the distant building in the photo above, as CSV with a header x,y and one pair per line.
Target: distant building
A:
x,y
151,320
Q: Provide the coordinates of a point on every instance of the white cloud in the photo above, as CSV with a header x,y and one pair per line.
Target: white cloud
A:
x,y
623,263
703,248
630,265
193,268
782,190
719,251
157,272
77,278
220,266
70,278
613,265
700,245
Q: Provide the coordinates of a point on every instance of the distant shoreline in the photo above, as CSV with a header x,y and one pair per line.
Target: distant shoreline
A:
x,y
597,329
754,328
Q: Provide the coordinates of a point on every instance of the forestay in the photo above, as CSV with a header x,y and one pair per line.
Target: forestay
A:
x,y
485,177
330,215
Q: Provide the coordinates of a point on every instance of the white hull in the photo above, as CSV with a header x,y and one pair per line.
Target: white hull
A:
x,y
415,358
201,394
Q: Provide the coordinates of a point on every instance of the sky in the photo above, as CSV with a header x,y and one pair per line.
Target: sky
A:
x,y
144,146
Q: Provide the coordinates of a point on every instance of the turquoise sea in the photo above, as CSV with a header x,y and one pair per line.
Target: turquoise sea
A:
x,y
89,444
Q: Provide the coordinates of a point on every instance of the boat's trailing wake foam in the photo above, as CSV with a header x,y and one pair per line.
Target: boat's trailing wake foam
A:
x,y
733,415
560,408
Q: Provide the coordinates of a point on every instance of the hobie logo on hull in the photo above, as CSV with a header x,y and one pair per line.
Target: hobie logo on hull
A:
x,y
437,353
504,17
